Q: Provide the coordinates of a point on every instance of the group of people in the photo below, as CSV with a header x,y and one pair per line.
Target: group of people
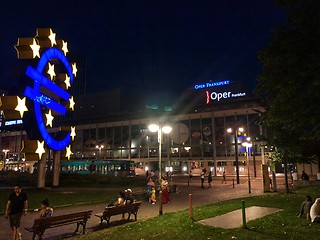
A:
x,y
204,174
17,206
310,210
125,197
209,175
151,191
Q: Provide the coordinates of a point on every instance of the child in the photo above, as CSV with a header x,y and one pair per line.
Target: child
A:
x,y
153,196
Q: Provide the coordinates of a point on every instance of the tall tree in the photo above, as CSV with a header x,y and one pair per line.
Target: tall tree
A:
x,y
290,80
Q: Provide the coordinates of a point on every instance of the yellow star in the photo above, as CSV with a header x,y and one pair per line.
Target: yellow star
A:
x,y
74,69
21,106
40,150
35,49
71,103
65,47
67,81
49,118
52,38
68,152
73,133
51,71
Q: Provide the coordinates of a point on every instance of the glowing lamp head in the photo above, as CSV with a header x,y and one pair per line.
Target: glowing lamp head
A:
x,y
166,129
153,127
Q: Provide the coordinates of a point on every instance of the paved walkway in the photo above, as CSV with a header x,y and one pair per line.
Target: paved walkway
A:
x,y
234,219
178,201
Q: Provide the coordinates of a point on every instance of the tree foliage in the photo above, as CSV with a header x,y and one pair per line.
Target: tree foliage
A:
x,y
290,79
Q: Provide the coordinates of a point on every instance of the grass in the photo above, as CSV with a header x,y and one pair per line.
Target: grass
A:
x,y
74,189
281,225
60,198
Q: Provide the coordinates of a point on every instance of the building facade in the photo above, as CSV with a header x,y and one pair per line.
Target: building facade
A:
x,y
199,138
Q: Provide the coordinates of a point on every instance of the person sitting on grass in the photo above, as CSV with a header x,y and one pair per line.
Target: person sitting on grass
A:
x,y
315,211
305,207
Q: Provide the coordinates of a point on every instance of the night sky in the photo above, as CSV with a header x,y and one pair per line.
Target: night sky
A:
x,y
157,47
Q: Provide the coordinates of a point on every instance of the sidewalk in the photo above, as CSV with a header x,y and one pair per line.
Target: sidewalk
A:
x,y
179,201
234,219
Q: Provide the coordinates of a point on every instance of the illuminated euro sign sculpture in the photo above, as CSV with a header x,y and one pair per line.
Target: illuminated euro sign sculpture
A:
x,y
49,96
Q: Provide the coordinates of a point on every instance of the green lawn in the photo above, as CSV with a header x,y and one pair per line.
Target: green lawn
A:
x,y
74,189
59,198
282,225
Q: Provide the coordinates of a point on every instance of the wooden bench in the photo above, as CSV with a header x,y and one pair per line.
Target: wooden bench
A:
x,y
41,225
116,210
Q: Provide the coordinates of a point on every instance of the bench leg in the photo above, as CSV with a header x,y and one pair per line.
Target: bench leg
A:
x,y
84,227
78,224
83,224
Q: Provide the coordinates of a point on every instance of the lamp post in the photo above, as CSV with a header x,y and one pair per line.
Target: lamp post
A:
x,y
5,158
99,147
248,145
160,129
235,133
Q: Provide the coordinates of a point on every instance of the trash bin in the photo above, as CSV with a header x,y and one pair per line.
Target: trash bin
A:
x,y
318,176
294,176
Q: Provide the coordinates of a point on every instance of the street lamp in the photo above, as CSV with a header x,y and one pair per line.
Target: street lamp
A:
x,y
230,130
99,147
248,145
160,129
5,158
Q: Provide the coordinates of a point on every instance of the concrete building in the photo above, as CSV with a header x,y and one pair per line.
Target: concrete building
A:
x,y
113,125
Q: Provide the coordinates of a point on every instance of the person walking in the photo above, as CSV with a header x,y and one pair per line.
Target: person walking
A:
x,y
165,190
16,206
190,176
224,177
209,179
202,178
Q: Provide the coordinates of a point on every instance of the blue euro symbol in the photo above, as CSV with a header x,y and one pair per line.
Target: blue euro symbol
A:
x,y
40,99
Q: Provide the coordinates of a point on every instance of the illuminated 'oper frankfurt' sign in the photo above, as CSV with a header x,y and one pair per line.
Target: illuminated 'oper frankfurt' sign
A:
x,y
49,96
